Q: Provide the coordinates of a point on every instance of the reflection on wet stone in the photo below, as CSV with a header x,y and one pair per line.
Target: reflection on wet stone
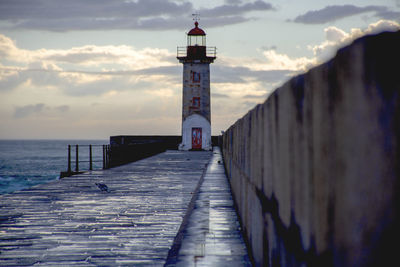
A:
x,y
212,236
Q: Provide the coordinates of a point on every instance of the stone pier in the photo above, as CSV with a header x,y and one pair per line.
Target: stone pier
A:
x,y
127,215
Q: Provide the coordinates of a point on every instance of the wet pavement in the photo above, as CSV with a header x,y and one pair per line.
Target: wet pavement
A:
x,y
212,236
128,215
73,221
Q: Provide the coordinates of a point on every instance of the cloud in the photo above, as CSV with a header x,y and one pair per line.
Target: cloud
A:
x,y
337,38
173,70
9,78
8,49
254,96
388,14
58,15
121,55
86,83
28,110
335,12
235,8
24,111
218,95
238,74
98,9
272,47
86,70
246,105
277,61
98,70
88,55
62,108
233,1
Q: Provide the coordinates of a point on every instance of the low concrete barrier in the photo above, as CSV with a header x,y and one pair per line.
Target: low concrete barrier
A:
x,y
130,148
315,169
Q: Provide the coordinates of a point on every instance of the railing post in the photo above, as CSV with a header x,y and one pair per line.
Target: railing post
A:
x,y
69,158
106,166
76,159
104,156
90,158
108,156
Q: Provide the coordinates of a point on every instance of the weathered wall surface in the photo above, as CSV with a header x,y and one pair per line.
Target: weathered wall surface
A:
x,y
198,87
315,170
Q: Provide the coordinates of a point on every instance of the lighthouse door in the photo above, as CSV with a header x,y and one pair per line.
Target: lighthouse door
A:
x,y
196,138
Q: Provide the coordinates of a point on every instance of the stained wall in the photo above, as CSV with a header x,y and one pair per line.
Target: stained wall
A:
x,y
315,169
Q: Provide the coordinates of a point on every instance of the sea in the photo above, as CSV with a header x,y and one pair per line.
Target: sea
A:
x,y
25,163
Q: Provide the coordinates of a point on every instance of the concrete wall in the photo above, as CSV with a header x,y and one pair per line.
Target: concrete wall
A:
x,y
315,169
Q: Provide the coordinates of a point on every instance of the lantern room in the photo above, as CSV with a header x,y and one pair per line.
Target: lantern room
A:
x,y
196,49
196,36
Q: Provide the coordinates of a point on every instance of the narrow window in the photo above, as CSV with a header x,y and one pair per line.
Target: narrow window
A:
x,y
195,77
196,102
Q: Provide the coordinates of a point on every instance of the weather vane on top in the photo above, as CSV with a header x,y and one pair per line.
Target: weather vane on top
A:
x,y
196,16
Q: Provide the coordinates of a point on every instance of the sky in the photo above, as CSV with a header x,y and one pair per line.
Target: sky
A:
x,y
90,69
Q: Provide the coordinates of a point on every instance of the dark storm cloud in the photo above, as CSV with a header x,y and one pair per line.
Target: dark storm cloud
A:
x,y
335,12
61,15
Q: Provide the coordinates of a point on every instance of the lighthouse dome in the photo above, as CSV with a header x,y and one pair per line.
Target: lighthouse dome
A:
x,y
196,30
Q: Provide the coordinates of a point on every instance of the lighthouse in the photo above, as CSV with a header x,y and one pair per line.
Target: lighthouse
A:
x,y
196,111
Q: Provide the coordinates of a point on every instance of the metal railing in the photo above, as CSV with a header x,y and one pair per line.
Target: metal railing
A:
x,y
181,51
91,160
211,51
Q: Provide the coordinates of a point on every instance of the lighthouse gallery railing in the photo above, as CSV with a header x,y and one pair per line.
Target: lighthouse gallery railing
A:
x,y
211,51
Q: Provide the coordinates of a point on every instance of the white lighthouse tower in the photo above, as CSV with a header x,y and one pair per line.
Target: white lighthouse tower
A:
x,y
196,112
